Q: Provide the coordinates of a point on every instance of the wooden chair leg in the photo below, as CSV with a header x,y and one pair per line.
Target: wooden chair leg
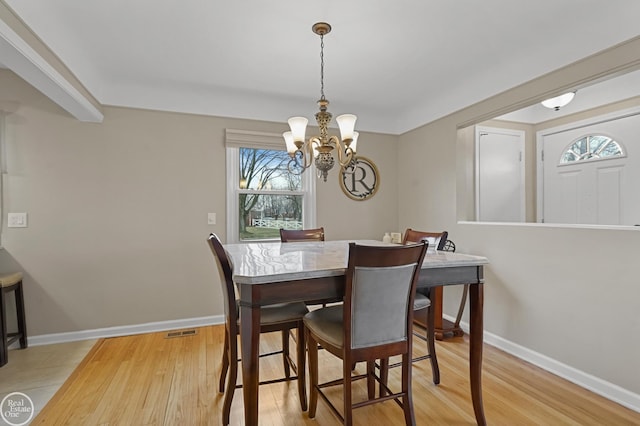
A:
x,y
225,361
371,381
407,400
347,398
22,323
384,375
302,371
312,349
431,345
231,381
285,353
4,349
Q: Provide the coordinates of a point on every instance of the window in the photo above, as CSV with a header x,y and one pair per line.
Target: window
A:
x,y
592,147
262,196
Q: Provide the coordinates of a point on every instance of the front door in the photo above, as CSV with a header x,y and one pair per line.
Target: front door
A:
x,y
596,190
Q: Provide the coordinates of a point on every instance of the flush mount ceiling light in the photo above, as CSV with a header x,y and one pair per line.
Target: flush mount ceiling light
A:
x,y
320,147
559,101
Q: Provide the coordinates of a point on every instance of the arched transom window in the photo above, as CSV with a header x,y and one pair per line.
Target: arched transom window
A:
x,y
592,148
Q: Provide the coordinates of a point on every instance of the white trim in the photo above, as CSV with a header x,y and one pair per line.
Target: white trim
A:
x,y
232,201
553,225
23,60
3,168
588,381
127,330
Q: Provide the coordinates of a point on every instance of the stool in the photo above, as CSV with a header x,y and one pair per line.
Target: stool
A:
x,y
8,283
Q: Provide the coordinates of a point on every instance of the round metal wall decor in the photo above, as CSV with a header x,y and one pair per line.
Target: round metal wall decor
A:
x,y
360,181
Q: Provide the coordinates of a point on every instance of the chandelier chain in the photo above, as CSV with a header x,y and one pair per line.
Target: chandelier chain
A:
x,y
322,67
320,150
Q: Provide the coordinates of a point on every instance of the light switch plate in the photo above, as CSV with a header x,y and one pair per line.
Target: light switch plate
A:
x,y
17,220
211,218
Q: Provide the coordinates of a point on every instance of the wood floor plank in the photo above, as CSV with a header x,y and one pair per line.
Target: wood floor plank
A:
x,y
149,379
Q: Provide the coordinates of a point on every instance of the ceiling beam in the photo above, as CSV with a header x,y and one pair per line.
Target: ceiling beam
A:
x,y
27,56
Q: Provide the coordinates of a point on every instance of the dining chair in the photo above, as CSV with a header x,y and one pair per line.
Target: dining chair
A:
x,y
422,306
282,317
436,240
374,322
291,235
443,243
451,246
305,235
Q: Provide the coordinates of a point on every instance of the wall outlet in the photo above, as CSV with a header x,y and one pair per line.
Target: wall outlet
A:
x,y
17,220
211,218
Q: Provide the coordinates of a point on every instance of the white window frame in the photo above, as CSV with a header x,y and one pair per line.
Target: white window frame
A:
x,y
623,150
3,169
236,139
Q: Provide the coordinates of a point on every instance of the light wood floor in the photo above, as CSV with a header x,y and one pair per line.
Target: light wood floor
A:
x,y
152,380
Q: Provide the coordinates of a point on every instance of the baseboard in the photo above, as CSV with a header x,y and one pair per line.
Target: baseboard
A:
x,y
151,327
596,385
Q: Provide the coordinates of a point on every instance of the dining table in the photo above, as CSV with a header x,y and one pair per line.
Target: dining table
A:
x,y
267,273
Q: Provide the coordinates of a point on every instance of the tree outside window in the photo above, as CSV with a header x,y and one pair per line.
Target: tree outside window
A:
x,y
269,197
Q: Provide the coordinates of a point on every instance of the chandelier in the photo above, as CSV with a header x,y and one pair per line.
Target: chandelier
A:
x,y
320,148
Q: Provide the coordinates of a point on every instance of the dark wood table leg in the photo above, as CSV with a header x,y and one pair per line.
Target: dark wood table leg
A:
x,y
435,294
476,331
249,339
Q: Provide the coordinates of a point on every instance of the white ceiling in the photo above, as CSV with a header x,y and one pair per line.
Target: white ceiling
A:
x,y
396,64
602,93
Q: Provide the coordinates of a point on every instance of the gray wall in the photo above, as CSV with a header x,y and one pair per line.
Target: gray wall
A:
x,y
566,293
118,210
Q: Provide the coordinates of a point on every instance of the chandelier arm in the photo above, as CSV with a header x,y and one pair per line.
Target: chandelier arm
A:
x,y
315,140
307,154
345,153
291,167
305,151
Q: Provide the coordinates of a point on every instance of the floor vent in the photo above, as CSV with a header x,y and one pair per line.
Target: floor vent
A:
x,y
181,333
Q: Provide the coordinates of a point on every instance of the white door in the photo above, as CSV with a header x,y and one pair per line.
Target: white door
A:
x,y
499,175
595,191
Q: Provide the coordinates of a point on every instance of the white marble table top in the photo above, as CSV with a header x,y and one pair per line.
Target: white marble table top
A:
x,y
263,262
